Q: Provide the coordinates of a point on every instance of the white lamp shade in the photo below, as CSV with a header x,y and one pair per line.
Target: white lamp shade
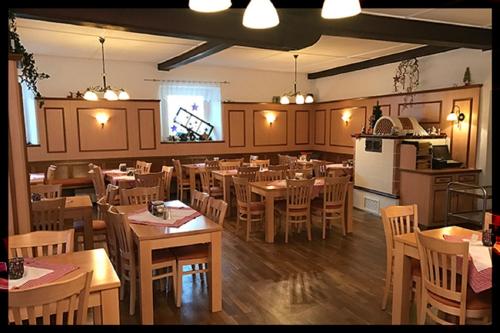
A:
x,y
334,9
284,99
260,14
309,98
452,117
299,99
123,95
209,6
110,95
90,96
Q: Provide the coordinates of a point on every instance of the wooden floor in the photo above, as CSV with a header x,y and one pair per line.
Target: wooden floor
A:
x,y
334,281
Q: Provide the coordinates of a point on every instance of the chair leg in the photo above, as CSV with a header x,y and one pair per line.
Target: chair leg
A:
x,y
193,267
422,309
133,291
179,285
200,267
249,224
237,220
308,227
175,282
388,277
323,217
286,230
343,221
418,296
122,285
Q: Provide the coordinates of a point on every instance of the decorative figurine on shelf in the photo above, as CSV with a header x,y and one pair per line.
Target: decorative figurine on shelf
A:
x,y
467,76
376,114
433,131
70,95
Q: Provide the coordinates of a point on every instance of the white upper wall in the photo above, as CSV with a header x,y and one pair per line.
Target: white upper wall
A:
x,y
72,74
436,71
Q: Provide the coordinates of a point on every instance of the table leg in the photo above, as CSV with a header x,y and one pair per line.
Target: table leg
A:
x,y
97,313
192,180
146,281
401,286
215,276
269,219
110,307
88,231
348,209
226,186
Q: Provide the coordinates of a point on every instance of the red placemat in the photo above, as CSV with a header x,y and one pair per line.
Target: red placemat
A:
x,y
59,270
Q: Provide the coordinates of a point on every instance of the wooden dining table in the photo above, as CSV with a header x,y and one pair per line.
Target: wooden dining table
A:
x,y
197,231
405,249
273,192
80,208
104,288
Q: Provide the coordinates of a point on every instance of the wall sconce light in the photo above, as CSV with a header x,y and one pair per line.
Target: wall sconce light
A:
x,y
456,116
346,117
270,117
102,119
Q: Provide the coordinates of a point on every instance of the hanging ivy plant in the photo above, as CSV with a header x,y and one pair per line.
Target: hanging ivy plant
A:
x,y
29,72
406,79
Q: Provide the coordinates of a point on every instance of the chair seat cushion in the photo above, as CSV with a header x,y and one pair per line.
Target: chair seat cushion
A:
x,y
481,301
317,204
96,225
198,251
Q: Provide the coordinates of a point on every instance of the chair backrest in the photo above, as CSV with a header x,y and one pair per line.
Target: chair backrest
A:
x,y
149,179
319,168
41,243
123,235
306,173
398,220
216,210
229,165
167,180
51,174
282,159
334,172
178,169
65,297
112,243
248,172
139,195
143,166
199,201
97,177
335,191
298,193
212,165
270,175
242,189
48,191
444,273
48,214
260,163
279,167
112,192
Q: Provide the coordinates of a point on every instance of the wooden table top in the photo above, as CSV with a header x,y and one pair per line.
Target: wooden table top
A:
x,y
410,238
193,166
337,166
232,172
265,185
201,224
78,201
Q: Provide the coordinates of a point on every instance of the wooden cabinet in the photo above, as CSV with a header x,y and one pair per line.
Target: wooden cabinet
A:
x,y
427,189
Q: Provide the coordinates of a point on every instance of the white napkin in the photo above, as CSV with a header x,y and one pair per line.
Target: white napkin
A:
x,y
479,253
30,273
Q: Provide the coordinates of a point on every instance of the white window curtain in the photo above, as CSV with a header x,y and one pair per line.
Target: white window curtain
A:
x,y
29,109
189,96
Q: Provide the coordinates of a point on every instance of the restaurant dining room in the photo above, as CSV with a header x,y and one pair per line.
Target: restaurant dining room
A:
x,y
241,162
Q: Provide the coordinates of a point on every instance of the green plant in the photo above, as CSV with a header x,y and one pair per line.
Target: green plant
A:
x,y
29,72
406,79
467,76
376,114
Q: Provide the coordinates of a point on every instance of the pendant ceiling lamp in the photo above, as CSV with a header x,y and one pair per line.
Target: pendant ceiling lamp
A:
x,y
260,14
299,98
209,6
92,93
334,9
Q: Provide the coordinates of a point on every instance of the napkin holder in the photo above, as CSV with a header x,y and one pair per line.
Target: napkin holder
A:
x,y
123,167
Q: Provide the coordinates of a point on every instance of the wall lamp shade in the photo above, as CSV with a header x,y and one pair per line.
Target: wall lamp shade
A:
x,y
92,93
456,116
270,117
260,14
284,99
209,6
452,116
346,117
335,9
299,99
102,119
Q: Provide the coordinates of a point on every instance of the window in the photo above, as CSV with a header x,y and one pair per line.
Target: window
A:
x,y
190,112
29,109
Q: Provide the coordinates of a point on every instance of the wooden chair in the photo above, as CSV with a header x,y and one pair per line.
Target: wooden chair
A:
x,y
98,180
298,205
445,283
60,296
229,165
279,167
143,166
331,206
167,181
99,227
260,163
48,191
163,261
207,184
183,183
399,220
48,214
139,195
112,241
193,255
248,172
319,168
269,175
212,165
307,173
282,159
41,243
247,210
113,194
149,180
199,201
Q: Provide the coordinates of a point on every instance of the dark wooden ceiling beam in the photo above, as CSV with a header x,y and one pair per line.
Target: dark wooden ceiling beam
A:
x,y
414,53
199,52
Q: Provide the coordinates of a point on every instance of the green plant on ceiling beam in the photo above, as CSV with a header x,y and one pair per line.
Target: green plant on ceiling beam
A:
x,y
29,72
406,79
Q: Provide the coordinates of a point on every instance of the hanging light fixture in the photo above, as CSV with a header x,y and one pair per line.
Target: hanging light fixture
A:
x,y
209,6
299,98
91,94
260,14
334,9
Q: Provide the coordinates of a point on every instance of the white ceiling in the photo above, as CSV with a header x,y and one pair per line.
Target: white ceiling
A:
x,y
48,38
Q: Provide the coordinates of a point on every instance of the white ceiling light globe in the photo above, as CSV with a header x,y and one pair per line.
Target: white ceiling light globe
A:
x,y
299,99
209,6
110,95
260,14
334,9
284,100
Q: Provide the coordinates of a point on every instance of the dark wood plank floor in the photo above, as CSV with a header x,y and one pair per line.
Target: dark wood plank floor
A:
x,y
334,281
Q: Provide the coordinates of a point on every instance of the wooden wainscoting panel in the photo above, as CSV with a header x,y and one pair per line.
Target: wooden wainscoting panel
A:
x,y
147,129
113,136
320,127
426,113
265,134
301,127
340,133
236,126
460,136
55,130
386,109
